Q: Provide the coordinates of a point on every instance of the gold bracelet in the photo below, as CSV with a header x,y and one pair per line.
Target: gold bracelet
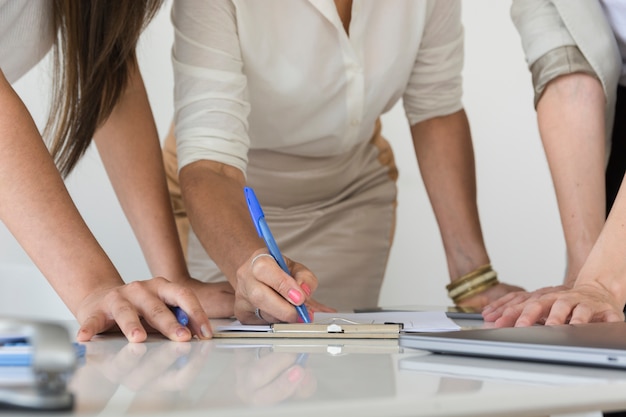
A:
x,y
469,276
470,284
476,290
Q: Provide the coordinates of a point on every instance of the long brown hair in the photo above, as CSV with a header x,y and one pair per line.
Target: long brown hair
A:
x,y
94,54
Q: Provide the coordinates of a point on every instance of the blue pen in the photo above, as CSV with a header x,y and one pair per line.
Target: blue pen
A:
x,y
264,232
181,316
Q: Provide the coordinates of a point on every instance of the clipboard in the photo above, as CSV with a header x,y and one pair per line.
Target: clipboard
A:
x,y
334,330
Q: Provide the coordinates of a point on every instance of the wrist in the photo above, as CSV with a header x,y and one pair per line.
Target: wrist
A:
x,y
472,283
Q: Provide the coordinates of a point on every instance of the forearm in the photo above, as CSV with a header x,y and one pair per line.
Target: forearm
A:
x,y
571,123
606,263
130,150
446,159
213,195
37,209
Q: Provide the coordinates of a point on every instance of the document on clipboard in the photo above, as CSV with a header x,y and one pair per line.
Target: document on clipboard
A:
x,y
378,325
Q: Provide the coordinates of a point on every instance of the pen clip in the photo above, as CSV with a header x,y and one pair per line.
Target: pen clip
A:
x,y
255,208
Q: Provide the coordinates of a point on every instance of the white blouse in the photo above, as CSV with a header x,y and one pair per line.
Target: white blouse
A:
x,y
25,35
616,14
285,75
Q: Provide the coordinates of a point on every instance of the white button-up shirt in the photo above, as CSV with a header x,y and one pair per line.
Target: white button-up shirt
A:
x,y
284,75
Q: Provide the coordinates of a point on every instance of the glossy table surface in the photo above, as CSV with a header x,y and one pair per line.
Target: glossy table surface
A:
x,y
298,377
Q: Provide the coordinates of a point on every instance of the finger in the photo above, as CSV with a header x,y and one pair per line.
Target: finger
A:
x,y
581,313
513,302
268,272
314,305
612,316
161,318
303,276
127,318
256,291
532,313
496,308
508,317
505,299
183,297
91,326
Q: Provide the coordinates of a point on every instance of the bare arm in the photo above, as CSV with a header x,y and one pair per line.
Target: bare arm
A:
x,y
39,212
129,147
130,150
571,124
443,147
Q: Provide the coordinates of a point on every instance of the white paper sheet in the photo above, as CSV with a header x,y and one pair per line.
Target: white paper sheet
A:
x,y
412,321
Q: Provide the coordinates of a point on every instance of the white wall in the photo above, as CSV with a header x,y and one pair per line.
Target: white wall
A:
x,y
516,199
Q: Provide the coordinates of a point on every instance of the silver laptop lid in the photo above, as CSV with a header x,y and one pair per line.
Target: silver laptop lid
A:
x,y
596,344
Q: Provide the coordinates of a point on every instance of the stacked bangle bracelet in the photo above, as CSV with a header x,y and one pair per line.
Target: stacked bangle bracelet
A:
x,y
472,283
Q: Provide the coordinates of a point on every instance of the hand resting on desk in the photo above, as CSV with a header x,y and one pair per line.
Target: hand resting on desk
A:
x,y
126,305
555,305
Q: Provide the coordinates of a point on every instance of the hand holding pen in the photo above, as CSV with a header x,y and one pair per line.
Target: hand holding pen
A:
x,y
258,218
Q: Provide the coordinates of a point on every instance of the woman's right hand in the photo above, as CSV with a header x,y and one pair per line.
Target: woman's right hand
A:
x,y
261,283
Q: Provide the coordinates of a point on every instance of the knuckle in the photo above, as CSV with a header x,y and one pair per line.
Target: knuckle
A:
x,y
134,286
283,285
113,296
185,292
122,309
157,310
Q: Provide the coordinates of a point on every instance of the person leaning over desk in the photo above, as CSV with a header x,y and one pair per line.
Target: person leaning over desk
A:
x,y
285,97
99,93
576,65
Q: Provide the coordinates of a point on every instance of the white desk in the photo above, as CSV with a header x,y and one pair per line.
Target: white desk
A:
x,y
296,378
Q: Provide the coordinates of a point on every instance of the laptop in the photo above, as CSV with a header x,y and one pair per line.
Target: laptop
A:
x,y
595,344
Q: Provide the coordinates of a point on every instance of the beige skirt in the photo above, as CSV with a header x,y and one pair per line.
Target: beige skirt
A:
x,y
336,215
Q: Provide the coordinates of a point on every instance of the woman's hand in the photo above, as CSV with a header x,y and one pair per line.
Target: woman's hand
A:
x,y
262,283
556,305
125,306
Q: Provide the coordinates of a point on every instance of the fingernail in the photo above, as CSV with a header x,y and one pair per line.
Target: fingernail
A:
x,y
182,332
134,335
295,296
206,333
306,289
295,374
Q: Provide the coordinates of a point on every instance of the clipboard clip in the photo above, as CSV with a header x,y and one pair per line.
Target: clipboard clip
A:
x,y
53,360
338,328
